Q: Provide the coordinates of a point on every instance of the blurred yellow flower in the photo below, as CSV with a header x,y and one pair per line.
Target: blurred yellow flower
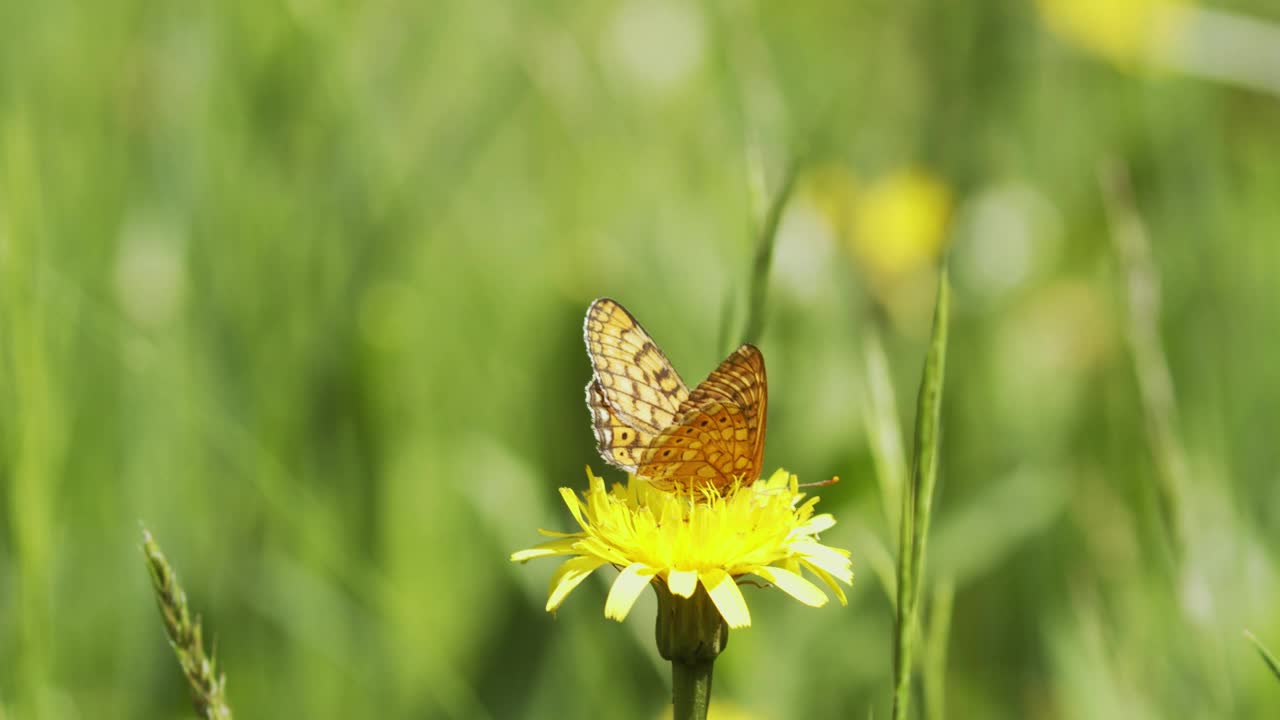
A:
x,y
1123,31
900,223
682,541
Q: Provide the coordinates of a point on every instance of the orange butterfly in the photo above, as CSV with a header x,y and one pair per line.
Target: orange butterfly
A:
x,y
647,421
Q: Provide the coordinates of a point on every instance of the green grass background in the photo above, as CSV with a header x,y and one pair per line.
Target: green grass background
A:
x,y
300,286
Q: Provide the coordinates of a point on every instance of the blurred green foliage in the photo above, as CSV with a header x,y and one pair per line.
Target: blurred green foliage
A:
x,y
300,285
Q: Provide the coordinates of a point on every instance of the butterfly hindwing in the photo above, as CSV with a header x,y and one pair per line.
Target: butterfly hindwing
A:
x,y
719,435
617,442
740,381
697,451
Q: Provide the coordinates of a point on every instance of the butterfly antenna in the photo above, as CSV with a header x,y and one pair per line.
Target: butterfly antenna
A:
x,y
834,479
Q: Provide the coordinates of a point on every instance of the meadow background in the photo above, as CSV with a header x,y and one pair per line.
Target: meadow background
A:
x,y
300,285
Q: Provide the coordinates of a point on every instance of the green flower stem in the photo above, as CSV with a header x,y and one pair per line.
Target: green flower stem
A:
x,y
917,501
691,634
691,689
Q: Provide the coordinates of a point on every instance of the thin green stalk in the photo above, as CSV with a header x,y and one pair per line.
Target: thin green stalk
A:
x,y
917,500
1155,382
880,415
1172,479
764,257
32,429
208,686
1267,657
935,649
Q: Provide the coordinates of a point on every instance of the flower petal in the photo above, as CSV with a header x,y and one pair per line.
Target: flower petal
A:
x,y
682,582
564,546
568,576
594,546
575,506
728,598
793,585
780,478
828,558
830,581
817,525
630,583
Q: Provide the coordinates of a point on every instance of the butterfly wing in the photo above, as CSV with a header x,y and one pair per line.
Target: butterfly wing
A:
x,y
617,442
719,435
740,381
639,387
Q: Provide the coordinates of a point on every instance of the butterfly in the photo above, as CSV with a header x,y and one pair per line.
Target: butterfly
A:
x,y
649,423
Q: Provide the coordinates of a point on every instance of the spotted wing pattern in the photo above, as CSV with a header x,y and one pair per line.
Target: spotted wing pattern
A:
x,y
617,441
634,393
719,434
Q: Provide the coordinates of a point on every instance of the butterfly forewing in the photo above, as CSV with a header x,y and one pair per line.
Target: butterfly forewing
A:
x,y
636,381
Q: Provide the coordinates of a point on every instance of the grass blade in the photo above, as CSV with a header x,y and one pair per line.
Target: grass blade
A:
x,y
1151,366
880,415
935,662
917,500
764,258
1267,657
208,686
32,430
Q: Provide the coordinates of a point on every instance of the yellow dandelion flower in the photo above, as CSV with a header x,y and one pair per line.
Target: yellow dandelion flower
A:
x,y
766,530
1123,31
901,223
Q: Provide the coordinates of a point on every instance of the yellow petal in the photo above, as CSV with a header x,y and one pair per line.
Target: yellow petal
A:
x,y
779,479
817,524
827,558
614,556
728,598
568,576
793,585
630,583
575,506
554,547
830,581
682,582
